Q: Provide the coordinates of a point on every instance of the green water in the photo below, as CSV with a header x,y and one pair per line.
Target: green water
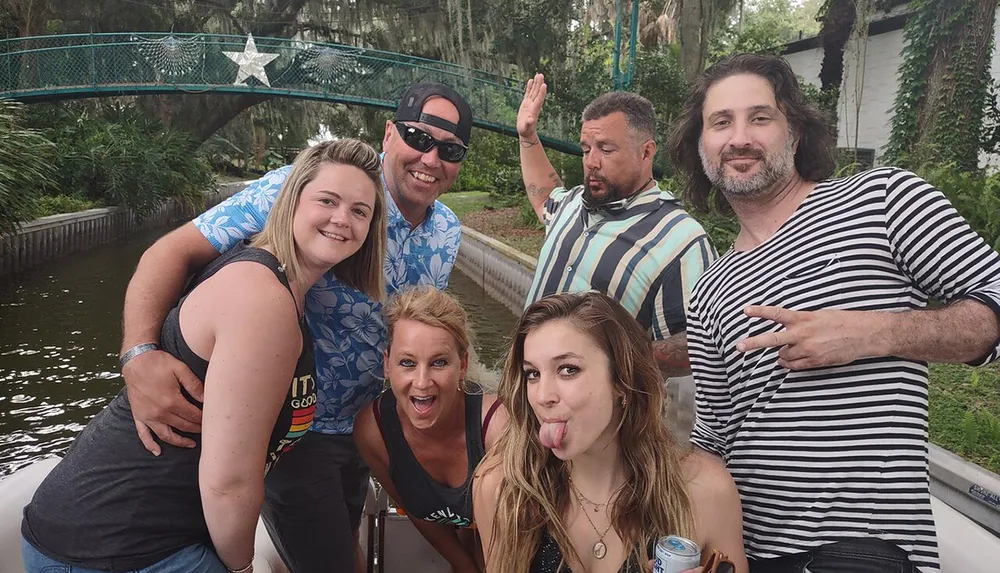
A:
x,y
60,333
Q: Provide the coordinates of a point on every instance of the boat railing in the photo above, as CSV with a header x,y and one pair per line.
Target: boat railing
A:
x,y
967,488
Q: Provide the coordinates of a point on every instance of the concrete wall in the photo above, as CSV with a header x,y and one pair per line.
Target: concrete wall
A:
x,y
504,272
56,236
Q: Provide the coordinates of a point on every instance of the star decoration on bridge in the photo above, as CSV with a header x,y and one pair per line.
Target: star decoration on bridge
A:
x,y
251,63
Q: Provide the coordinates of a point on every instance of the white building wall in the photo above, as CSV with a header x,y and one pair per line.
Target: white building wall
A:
x,y
869,78
806,64
864,109
874,85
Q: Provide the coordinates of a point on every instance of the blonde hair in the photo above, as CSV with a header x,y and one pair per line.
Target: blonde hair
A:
x,y
439,309
363,269
533,493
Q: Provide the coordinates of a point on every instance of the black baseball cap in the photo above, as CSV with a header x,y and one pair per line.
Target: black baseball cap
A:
x,y
411,107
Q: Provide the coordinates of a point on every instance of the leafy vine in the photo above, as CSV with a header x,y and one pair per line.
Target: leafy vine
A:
x,y
948,129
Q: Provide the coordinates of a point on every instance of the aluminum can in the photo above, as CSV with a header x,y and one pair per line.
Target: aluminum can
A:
x,y
675,554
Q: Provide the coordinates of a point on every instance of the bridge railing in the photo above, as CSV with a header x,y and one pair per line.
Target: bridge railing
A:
x,y
86,65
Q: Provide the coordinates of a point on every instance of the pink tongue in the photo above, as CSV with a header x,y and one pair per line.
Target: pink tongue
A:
x,y
551,434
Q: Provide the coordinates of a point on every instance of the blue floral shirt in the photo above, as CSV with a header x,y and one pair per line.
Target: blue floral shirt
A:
x,y
346,324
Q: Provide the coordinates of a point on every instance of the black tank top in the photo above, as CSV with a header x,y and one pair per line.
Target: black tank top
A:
x,y
113,506
421,496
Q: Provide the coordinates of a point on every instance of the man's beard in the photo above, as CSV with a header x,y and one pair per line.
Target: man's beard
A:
x,y
772,169
613,192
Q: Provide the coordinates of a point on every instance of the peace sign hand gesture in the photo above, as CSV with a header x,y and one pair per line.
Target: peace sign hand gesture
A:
x,y
814,339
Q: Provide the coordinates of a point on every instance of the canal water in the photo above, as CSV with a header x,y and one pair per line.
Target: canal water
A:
x,y
60,333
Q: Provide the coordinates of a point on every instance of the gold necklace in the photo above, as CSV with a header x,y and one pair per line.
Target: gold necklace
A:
x,y
600,549
597,506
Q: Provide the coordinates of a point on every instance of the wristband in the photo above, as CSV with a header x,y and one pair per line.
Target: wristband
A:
x,y
247,569
136,351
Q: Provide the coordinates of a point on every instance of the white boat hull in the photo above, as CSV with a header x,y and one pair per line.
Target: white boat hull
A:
x,y
964,546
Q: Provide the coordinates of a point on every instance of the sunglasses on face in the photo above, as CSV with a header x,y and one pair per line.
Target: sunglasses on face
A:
x,y
423,142
719,563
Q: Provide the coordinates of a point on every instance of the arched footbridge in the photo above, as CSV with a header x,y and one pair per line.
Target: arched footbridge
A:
x,y
72,66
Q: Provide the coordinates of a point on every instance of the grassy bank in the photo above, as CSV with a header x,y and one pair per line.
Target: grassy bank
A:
x,y
965,412
505,224
964,401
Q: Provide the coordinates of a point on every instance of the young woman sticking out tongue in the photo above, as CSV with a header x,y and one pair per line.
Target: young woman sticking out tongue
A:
x,y
424,437
586,477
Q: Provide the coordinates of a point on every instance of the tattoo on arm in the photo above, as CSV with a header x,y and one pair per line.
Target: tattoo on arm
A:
x,y
535,191
672,356
554,178
528,142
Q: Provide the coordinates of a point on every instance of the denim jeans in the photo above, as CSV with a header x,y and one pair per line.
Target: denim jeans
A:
x,y
191,559
858,555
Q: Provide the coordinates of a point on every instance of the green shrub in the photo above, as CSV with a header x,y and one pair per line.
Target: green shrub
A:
x,y
46,205
975,195
25,163
120,157
492,165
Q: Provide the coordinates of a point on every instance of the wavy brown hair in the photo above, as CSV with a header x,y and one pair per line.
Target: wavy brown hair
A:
x,y
815,159
363,269
533,495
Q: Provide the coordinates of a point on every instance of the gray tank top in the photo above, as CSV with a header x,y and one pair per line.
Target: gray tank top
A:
x,y
111,505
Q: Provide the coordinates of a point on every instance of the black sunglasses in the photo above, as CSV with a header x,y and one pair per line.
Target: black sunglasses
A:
x,y
423,142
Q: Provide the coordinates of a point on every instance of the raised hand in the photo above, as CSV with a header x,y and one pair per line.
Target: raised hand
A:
x,y
531,107
814,339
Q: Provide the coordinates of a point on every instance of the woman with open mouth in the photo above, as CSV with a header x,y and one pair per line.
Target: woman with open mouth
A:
x,y
586,477
425,435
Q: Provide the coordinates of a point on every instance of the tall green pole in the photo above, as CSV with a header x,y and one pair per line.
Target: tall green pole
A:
x,y
616,72
633,39
620,80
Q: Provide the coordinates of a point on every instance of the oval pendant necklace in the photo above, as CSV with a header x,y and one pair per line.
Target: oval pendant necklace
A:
x,y
600,549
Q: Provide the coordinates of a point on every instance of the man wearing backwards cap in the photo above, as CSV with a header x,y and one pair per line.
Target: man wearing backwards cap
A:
x,y
315,496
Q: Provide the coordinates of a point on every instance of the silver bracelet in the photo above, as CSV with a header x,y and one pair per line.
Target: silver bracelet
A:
x,y
247,569
136,351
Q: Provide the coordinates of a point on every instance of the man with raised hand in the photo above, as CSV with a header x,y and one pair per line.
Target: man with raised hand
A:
x,y
618,233
315,496
809,340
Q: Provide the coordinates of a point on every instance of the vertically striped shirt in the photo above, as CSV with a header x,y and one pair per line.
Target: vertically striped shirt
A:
x,y
840,451
647,255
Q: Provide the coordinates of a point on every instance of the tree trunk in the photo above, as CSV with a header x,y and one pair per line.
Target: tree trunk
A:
x,y
834,34
689,30
966,53
199,115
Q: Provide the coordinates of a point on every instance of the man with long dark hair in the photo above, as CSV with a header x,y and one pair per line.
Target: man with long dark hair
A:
x,y
809,339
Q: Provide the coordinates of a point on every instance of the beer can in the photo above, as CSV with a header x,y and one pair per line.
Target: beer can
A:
x,y
675,554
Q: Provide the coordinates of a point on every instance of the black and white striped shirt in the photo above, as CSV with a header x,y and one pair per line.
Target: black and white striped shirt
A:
x,y
833,452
